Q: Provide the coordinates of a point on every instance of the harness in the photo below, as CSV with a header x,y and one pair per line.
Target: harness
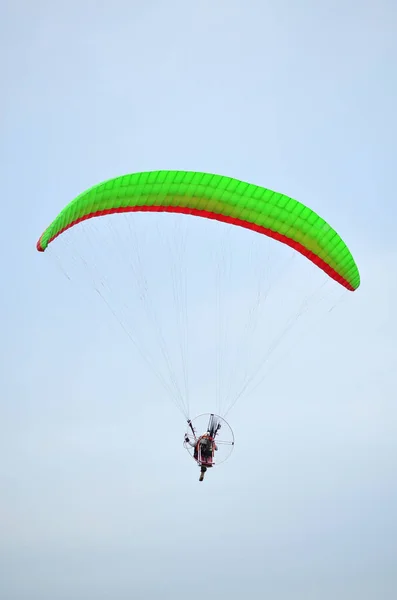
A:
x,y
198,455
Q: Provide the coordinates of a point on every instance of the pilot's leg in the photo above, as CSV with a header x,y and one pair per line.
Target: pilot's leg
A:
x,y
203,470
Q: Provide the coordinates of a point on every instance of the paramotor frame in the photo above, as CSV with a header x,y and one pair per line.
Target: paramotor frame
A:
x,y
218,429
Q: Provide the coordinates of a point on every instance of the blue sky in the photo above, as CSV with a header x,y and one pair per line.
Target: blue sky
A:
x,y
98,498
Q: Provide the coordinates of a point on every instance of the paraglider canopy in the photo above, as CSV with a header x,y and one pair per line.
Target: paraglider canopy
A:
x,y
215,197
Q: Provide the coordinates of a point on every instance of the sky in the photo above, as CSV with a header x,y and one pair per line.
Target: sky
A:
x,y
98,498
